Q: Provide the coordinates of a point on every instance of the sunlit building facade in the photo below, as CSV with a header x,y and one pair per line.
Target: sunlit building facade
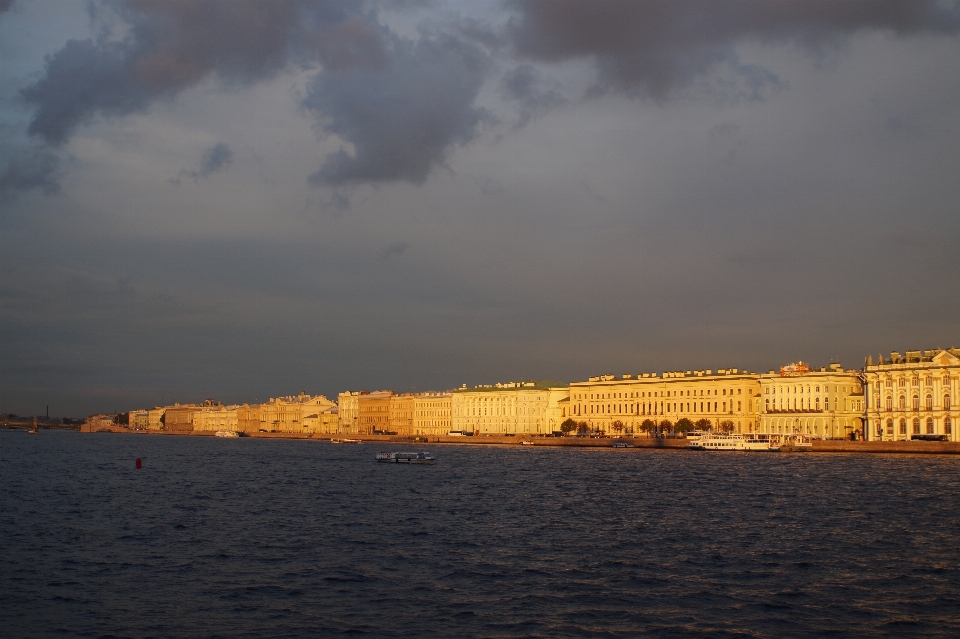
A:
x,y
514,408
827,403
913,394
606,402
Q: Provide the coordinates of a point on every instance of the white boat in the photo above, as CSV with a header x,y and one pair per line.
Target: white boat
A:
x,y
526,442
710,441
405,458
761,442
227,433
796,443
339,440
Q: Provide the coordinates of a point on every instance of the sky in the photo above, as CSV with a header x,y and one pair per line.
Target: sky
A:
x,y
239,200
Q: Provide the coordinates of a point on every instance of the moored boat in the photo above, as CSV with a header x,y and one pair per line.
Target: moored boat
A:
x,y
796,443
340,440
710,441
405,458
760,442
227,433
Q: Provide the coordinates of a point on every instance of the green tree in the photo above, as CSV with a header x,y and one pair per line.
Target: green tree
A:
x,y
568,425
665,426
683,425
726,426
583,429
648,426
704,424
617,426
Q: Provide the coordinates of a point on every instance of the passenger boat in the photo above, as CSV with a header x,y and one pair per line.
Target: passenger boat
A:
x,y
710,441
405,458
227,433
526,442
761,442
621,445
340,440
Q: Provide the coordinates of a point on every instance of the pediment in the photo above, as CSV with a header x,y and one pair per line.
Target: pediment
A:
x,y
946,358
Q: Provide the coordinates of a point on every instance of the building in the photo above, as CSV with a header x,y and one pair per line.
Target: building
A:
x,y
248,418
287,414
514,408
179,418
400,420
213,417
913,394
348,404
155,417
729,395
432,414
373,412
826,403
325,421
138,419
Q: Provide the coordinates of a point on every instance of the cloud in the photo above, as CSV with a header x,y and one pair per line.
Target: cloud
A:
x,y
653,48
173,45
27,170
5,5
397,248
401,119
524,85
214,159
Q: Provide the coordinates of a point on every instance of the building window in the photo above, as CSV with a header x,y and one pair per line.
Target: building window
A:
x,y
903,426
929,381
947,426
890,427
930,425
916,402
929,402
946,401
903,402
916,425
889,403
818,402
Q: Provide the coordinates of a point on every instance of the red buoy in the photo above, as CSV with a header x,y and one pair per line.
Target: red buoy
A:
x,y
139,463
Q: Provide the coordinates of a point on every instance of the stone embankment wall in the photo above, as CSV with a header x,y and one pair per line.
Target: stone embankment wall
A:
x,y
929,448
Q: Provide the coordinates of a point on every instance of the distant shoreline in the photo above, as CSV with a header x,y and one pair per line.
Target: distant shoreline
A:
x,y
819,445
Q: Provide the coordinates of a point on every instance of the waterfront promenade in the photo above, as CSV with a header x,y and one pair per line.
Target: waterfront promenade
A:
x,y
819,445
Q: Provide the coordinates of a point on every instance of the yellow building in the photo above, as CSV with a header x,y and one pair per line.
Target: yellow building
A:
x,y
729,395
324,422
348,404
400,419
248,418
215,417
287,414
826,403
373,410
432,414
155,417
514,408
913,394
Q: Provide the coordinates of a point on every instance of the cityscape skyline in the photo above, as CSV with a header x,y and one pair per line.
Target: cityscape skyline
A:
x,y
243,199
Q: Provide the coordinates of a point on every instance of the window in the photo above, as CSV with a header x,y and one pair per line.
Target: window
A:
x,y
903,426
902,381
826,403
916,402
903,402
929,402
916,425
889,427
928,381
930,425
946,401
947,426
916,381
818,403
889,403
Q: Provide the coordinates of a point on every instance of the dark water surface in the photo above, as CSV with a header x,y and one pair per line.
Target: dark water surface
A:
x,y
253,538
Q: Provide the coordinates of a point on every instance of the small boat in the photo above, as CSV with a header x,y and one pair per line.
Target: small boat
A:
x,y
622,445
227,433
341,440
526,442
796,443
405,458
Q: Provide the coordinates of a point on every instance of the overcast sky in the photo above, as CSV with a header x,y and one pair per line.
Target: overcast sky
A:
x,y
240,200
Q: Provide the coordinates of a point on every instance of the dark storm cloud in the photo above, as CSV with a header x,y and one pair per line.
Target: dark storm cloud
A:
x,y
524,85
5,5
402,118
173,45
27,170
654,47
214,159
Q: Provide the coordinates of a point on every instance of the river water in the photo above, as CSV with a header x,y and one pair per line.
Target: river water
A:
x,y
254,538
